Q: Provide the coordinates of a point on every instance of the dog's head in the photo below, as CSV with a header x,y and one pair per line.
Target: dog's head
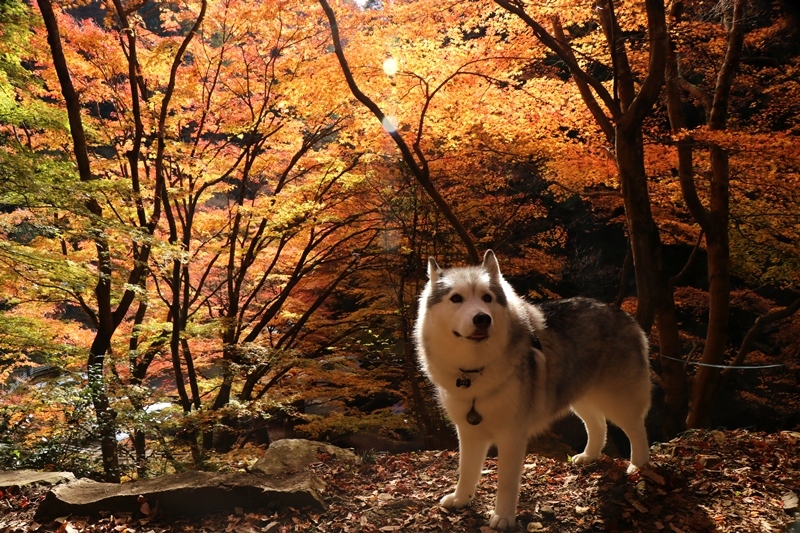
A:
x,y
466,303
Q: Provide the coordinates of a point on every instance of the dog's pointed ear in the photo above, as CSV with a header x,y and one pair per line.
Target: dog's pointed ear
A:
x,y
433,270
490,264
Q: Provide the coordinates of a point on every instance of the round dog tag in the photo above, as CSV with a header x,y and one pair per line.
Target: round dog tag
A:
x,y
474,417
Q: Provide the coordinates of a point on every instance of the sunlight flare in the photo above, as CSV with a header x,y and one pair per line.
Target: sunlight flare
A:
x,y
390,66
390,123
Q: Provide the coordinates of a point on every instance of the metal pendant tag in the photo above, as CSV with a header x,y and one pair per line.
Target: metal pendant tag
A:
x,y
474,417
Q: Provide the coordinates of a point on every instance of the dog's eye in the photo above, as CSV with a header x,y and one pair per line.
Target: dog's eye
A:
x,y
456,298
487,298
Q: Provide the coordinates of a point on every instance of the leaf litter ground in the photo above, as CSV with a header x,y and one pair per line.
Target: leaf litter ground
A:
x,y
731,481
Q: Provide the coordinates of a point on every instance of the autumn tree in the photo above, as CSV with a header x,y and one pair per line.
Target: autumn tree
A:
x,y
116,285
620,116
268,209
413,156
713,220
710,91
263,212
616,117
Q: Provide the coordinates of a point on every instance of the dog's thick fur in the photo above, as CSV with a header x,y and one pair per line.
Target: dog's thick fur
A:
x,y
505,369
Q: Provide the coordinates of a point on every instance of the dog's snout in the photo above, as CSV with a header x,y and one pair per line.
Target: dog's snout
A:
x,y
482,320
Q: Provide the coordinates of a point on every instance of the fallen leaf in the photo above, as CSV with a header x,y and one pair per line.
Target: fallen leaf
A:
x,y
67,527
790,502
652,475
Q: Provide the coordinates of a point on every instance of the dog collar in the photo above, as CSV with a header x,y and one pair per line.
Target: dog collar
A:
x,y
464,382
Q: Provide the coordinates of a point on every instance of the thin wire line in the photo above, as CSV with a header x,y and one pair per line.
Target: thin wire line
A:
x,y
756,367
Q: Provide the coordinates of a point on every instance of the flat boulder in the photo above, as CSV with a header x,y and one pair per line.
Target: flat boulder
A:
x,y
28,478
288,456
186,494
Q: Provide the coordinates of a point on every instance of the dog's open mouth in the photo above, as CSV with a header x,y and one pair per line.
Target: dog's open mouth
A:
x,y
477,336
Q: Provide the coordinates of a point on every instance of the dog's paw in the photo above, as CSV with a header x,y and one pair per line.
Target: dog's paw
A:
x,y
639,461
634,467
501,522
584,459
453,501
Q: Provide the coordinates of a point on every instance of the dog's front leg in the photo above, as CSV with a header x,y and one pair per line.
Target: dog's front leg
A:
x,y
510,460
472,452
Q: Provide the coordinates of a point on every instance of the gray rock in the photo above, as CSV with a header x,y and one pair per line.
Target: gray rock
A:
x,y
186,494
25,478
288,456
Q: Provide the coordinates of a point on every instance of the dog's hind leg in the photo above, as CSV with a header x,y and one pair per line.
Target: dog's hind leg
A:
x,y
628,412
632,423
595,423
640,449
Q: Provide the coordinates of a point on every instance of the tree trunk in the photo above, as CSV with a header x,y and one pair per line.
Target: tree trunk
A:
x,y
707,379
140,450
106,318
714,219
106,416
643,234
654,294
138,370
421,408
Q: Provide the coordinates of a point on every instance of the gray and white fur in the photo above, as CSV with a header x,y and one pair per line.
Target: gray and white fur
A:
x,y
504,369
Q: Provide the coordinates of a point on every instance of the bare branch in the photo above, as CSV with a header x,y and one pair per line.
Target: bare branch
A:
x,y
418,168
566,55
757,329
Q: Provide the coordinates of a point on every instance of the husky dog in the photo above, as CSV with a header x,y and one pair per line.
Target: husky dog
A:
x,y
505,369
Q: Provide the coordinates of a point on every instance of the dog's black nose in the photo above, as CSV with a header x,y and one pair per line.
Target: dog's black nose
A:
x,y
482,320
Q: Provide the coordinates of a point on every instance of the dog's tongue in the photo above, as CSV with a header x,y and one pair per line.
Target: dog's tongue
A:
x,y
478,336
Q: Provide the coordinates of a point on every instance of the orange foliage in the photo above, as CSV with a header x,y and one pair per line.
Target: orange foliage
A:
x,y
287,220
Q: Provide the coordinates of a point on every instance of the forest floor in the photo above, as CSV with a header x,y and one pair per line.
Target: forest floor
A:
x,y
702,481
